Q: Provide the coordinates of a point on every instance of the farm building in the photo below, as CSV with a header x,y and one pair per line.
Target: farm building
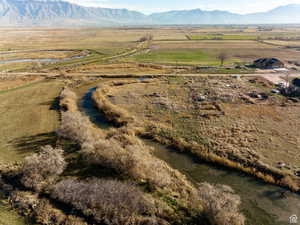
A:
x,y
268,63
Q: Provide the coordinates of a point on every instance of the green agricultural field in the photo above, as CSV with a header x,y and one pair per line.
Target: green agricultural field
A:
x,y
223,37
181,57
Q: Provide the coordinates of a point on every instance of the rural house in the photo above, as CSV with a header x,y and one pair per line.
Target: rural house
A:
x,y
268,63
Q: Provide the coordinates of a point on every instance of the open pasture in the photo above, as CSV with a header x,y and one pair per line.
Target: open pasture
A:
x,y
28,118
40,54
262,130
209,44
206,52
181,57
168,45
284,43
223,37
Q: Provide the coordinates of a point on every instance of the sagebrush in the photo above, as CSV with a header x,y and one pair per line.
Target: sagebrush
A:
x,y
40,168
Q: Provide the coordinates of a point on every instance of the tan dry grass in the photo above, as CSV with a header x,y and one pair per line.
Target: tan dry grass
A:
x,y
121,68
41,209
12,83
39,55
234,140
284,43
126,154
27,39
112,112
206,44
26,119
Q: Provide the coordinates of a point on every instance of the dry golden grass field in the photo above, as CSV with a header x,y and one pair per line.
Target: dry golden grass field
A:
x,y
220,115
8,84
291,43
28,119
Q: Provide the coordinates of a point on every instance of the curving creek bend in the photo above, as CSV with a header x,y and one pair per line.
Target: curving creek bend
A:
x,y
262,204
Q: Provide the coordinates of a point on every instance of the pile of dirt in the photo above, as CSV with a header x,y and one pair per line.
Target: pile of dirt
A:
x,y
261,81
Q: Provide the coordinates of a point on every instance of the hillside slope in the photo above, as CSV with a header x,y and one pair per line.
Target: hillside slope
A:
x,y
60,13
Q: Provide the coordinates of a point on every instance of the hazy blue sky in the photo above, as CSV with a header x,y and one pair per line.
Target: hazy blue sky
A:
x,y
149,6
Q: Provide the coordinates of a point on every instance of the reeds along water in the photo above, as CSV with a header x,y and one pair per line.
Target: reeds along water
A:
x,y
249,188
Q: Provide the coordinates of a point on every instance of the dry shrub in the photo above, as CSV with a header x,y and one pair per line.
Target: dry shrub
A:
x,y
73,220
39,169
126,154
290,183
75,127
133,158
41,210
147,37
254,167
68,100
110,154
112,112
46,214
221,205
67,93
108,201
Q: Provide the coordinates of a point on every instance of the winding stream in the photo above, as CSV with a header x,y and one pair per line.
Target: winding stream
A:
x,y
93,113
262,204
45,60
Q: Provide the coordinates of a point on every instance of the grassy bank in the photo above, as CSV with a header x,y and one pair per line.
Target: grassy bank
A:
x,y
119,150
200,147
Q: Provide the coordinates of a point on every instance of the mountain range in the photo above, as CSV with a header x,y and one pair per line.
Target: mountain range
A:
x,y
62,13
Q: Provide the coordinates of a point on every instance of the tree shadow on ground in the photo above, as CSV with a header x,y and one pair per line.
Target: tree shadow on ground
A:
x,y
53,105
81,169
34,143
275,195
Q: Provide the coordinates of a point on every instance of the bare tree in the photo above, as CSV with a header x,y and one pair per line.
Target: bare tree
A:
x,y
222,56
147,37
115,202
41,167
221,205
